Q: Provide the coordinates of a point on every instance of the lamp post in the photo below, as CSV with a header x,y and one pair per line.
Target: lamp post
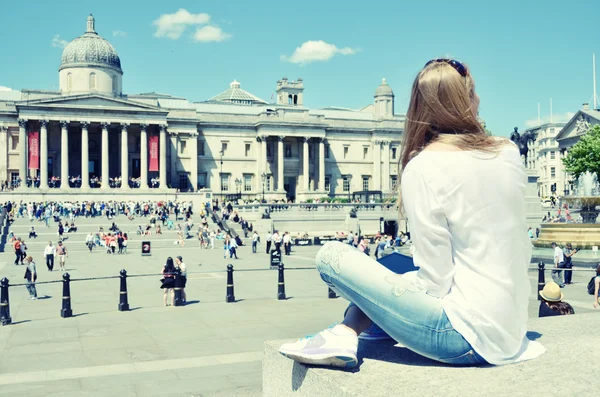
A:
x,y
238,188
264,178
221,174
349,186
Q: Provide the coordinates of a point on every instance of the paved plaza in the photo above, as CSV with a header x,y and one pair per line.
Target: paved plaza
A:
x,y
203,348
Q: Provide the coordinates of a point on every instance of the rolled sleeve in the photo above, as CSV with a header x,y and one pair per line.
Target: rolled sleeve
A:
x,y
430,234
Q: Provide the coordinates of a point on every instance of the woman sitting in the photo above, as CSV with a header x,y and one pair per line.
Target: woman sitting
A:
x,y
552,304
32,233
468,302
158,230
72,228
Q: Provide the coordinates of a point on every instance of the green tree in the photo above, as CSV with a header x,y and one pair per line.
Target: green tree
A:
x,y
584,155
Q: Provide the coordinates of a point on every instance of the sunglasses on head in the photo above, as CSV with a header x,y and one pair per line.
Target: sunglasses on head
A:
x,y
459,67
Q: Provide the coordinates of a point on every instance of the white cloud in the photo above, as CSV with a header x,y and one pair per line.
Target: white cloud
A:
x,y
119,33
316,50
210,33
3,88
58,42
173,25
556,118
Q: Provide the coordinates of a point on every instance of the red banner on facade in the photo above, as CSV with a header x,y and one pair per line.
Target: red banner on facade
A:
x,y
153,150
34,150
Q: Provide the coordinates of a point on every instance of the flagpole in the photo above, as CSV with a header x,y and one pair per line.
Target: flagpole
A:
x,y
594,74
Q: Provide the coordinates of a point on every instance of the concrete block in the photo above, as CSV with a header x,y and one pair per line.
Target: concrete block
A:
x,y
566,369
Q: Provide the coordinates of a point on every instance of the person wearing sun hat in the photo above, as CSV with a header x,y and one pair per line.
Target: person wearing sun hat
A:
x,y
552,304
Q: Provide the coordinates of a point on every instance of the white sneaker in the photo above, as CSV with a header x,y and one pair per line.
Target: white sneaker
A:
x,y
336,346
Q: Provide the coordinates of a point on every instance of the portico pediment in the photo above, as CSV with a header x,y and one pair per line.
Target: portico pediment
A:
x,y
93,102
579,124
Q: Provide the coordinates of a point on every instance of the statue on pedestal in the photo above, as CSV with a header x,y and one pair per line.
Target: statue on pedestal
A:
x,y
522,142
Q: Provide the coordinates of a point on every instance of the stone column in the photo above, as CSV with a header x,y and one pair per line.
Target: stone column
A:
x,y
104,175
193,141
85,171
257,180
305,178
23,152
280,159
64,155
124,158
43,154
385,176
322,165
162,161
144,156
376,165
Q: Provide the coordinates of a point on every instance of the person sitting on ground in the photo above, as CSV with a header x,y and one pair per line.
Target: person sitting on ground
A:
x,y
158,230
552,304
113,227
140,230
32,233
465,305
147,232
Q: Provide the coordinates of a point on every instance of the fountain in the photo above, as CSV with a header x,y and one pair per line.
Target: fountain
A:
x,y
585,202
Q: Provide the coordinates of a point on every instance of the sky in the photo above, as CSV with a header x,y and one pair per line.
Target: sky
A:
x,y
520,52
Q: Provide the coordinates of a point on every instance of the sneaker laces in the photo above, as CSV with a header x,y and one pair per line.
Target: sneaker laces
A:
x,y
313,335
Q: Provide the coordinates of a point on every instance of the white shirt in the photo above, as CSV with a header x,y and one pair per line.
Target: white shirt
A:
x,y
558,254
50,250
466,212
255,237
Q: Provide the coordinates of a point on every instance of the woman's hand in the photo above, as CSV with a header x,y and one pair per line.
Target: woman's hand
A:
x,y
596,304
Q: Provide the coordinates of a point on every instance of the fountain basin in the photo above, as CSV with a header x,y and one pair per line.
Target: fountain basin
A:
x,y
581,235
586,206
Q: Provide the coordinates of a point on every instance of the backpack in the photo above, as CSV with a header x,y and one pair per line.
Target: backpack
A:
x,y
591,287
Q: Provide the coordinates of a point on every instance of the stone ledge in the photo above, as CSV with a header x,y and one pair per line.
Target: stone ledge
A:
x,y
566,369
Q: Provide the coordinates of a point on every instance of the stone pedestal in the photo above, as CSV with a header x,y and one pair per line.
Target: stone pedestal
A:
x,y
533,204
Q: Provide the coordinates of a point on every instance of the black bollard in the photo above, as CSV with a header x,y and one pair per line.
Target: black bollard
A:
x,y
66,297
178,289
331,294
230,297
281,284
123,304
4,303
541,278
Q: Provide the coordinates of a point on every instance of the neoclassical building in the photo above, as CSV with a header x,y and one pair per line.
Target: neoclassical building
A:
x,y
233,142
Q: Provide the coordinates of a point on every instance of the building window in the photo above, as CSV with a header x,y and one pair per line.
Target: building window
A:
x,y
552,155
394,181
201,151
182,146
365,184
310,151
288,151
394,153
247,150
92,81
326,151
553,172
202,181
15,142
346,183
224,182
114,85
247,183
328,183
269,150
14,178
69,81
183,182
346,148
365,153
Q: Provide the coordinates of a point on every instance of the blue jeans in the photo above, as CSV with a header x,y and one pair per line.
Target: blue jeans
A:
x,y
401,308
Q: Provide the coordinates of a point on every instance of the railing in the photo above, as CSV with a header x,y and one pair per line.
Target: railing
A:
x,y
542,274
67,311
317,207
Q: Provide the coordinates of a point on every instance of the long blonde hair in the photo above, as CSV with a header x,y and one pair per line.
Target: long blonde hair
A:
x,y
443,107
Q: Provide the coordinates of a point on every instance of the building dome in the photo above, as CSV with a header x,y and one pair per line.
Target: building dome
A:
x,y
384,89
90,50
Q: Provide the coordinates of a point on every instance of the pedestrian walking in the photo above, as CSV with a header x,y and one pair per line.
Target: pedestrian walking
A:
x,y
255,238
49,253
559,263
568,253
269,239
31,277
61,251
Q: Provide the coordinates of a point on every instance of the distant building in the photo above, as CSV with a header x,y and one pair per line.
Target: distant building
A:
x,y
545,158
234,142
